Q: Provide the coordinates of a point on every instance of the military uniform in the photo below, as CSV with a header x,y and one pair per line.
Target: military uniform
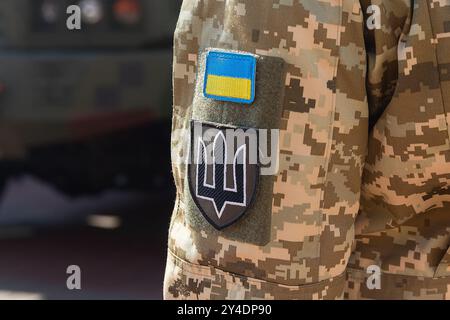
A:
x,y
363,154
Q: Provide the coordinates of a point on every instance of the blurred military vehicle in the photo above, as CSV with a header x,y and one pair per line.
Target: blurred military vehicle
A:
x,y
86,109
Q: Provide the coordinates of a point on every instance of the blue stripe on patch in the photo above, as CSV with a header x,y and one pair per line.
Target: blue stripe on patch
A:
x,y
231,65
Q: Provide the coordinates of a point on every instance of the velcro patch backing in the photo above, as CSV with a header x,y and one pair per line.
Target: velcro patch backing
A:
x,y
264,113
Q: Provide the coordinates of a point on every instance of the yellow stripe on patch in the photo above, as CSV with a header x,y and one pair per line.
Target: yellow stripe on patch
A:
x,y
237,88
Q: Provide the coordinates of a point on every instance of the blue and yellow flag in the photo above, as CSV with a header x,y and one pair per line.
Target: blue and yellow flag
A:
x,y
230,77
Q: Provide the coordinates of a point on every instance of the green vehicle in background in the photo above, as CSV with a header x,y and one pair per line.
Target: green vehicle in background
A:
x,y
86,109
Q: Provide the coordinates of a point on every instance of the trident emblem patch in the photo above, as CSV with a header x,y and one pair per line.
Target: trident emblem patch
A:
x,y
223,171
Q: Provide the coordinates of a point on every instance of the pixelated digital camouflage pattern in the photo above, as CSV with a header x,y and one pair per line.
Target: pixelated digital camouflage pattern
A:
x,y
404,225
381,50
192,282
322,148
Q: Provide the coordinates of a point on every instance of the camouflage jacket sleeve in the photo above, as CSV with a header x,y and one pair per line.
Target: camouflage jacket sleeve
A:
x,y
306,74
294,238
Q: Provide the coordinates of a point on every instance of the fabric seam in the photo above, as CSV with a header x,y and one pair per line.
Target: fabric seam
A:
x,y
185,263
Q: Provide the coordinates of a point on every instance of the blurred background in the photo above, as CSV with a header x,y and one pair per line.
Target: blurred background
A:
x,y
84,147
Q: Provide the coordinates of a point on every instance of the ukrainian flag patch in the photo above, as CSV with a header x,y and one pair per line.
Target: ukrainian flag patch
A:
x,y
230,77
